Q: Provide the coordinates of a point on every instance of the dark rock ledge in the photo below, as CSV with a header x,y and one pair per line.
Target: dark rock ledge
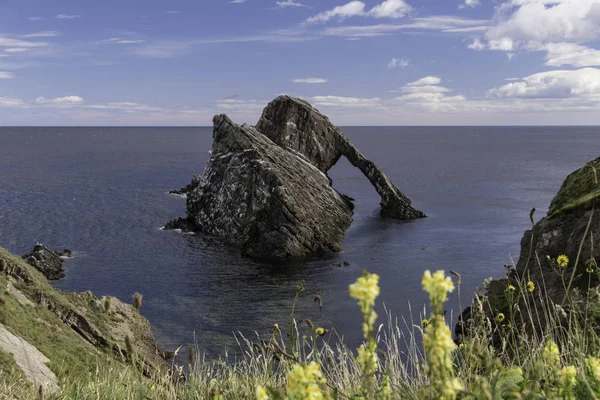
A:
x,y
266,188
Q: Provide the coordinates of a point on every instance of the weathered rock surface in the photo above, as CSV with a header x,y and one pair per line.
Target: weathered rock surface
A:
x,y
295,124
85,316
48,262
562,232
185,190
267,190
274,204
30,360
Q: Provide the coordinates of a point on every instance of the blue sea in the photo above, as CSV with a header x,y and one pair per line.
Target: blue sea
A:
x,y
102,192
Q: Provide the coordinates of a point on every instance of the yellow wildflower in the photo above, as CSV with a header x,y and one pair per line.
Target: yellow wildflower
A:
x,y
320,331
567,379
562,260
451,388
304,382
438,286
593,366
530,286
261,393
424,323
510,289
276,327
568,375
589,270
365,290
551,354
500,317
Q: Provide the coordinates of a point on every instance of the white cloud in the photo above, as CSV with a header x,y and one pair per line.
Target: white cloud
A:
x,y
444,23
67,100
11,102
352,9
470,4
559,27
16,50
310,80
41,34
346,102
289,3
18,43
173,12
6,75
398,63
66,16
427,81
571,54
582,83
123,41
387,9
237,1
390,9
35,18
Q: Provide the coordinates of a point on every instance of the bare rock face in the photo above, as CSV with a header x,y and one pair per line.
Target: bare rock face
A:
x,y
295,124
276,205
267,190
46,261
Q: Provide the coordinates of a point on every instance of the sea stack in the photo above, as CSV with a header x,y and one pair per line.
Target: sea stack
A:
x,y
266,188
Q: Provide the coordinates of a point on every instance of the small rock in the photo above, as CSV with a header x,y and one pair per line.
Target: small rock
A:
x,y
46,261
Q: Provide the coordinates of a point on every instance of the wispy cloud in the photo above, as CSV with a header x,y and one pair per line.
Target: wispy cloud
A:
x,y
469,4
387,9
67,100
237,1
398,63
35,18
443,23
41,34
173,12
6,75
289,3
310,80
123,41
16,50
67,16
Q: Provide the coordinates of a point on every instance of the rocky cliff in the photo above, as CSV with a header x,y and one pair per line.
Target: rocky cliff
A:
x,y
266,188
46,334
571,228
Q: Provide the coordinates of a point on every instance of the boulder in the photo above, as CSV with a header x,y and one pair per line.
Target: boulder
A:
x,y
48,262
266,188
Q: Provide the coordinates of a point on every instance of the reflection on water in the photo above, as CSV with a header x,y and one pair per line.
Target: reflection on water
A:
x,y
102,193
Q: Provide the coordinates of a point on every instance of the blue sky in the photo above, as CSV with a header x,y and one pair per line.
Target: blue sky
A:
x,y
371,62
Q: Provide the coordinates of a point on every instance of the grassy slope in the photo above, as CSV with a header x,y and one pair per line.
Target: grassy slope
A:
x,y
71,356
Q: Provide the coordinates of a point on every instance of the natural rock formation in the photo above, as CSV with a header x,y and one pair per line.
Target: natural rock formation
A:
x,y
295,124
267,190
572,228
79,324
274,204
185,190
48,262
563,230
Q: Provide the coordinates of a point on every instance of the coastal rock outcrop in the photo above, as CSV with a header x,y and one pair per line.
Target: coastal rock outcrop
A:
x,y
565,231
266,188
48,262
570,228
78,324
275,205
295,124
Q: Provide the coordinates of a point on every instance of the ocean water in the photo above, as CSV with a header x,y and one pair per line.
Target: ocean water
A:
x,y
102,192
